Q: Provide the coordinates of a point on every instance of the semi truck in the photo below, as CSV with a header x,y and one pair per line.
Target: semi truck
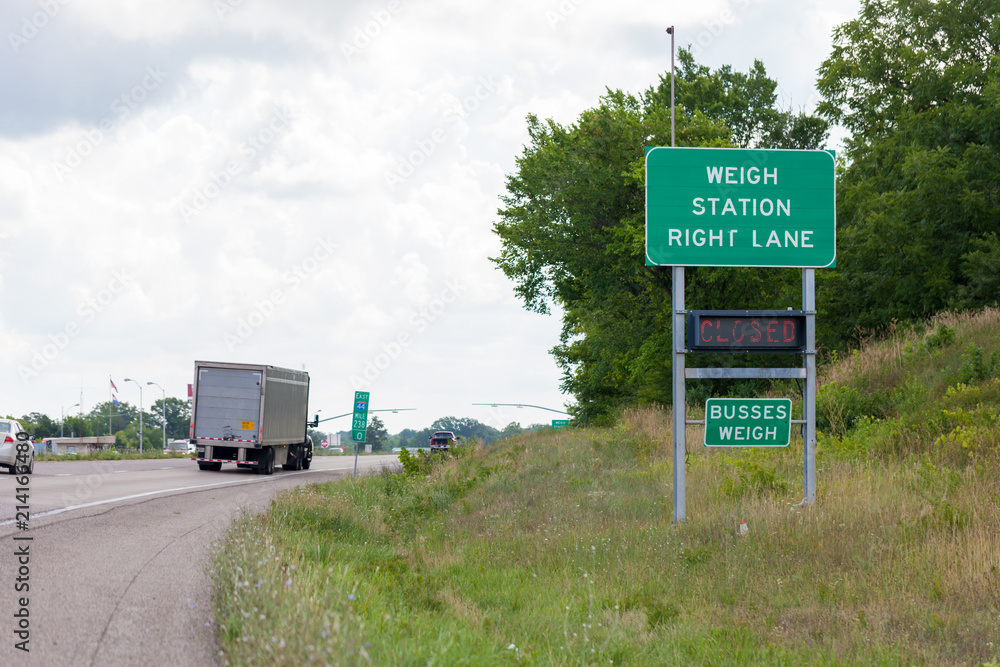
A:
x,y
251,415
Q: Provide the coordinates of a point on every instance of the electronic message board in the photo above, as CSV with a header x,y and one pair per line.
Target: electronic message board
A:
x,y
746,330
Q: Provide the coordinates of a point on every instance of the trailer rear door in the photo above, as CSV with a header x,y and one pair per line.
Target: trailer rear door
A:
x,y
227,404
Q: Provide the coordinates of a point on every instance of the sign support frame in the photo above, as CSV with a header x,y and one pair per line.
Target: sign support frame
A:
x,y
681,373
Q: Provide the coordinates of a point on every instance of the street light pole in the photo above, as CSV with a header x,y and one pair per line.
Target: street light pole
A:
x,y
522,405
140,411
670,31
62,420
164,406
317,421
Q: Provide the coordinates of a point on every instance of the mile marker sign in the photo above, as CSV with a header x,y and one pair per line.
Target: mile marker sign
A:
x,y
740,207
359,420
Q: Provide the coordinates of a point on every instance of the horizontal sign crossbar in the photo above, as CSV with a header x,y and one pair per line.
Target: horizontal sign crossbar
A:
x,y
743,373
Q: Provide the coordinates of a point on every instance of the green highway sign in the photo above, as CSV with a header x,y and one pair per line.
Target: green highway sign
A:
x,y
740,207
748,422
560,423
359,422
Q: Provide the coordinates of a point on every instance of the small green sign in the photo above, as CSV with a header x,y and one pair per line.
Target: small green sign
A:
x,y
560,423
359,422
740,207
748,422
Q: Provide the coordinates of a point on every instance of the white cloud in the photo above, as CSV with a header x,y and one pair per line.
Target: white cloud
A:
x,y
434,93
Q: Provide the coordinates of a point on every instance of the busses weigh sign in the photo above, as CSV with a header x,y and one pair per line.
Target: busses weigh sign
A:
x,y
748,422
740,207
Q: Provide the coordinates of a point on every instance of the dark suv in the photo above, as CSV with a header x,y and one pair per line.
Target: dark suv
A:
x,y
441,440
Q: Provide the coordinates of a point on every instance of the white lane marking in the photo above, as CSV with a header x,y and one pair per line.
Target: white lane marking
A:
x,y
64,474
153,493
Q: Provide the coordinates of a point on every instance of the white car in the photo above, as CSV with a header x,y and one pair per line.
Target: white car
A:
x,y
13,439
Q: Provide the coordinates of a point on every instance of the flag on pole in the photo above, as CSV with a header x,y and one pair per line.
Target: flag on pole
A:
x,y
114,400
112,384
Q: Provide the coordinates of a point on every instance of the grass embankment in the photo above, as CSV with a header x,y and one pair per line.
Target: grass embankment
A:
x,y
558,547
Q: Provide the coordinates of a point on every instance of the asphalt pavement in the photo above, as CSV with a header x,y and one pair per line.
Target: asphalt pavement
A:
x,y
113,566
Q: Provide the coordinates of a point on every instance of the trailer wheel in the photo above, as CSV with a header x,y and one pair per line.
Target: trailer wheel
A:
x,y
268,463
307,458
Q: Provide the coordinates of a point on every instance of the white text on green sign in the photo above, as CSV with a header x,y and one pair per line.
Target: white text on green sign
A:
x,y
359,420
748,422
738,207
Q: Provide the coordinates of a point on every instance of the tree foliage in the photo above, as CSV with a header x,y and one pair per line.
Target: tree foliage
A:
x,y
917,84
40,425
377,436
572,227
178,417
116,416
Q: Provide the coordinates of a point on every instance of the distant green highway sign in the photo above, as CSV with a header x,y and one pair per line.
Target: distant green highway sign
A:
x,y
560,423
748,422
740,207
359,421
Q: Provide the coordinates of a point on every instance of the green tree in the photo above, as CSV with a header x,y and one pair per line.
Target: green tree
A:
x,y
918,86
119,415
572,228
745,103
466,427
407,438
377,436
78,427
178,417
40,425
128,438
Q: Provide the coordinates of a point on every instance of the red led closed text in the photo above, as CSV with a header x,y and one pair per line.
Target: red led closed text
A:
x,y
762,332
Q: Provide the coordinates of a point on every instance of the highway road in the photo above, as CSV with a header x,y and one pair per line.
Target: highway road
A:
x,y
116,563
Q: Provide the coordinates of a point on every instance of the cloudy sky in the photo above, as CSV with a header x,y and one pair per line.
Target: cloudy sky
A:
x,y
308,183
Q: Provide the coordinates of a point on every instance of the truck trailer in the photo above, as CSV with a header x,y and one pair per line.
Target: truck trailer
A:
x,y
251,415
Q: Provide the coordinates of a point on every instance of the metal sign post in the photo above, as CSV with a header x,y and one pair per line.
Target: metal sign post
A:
x,y
680,407
809,390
